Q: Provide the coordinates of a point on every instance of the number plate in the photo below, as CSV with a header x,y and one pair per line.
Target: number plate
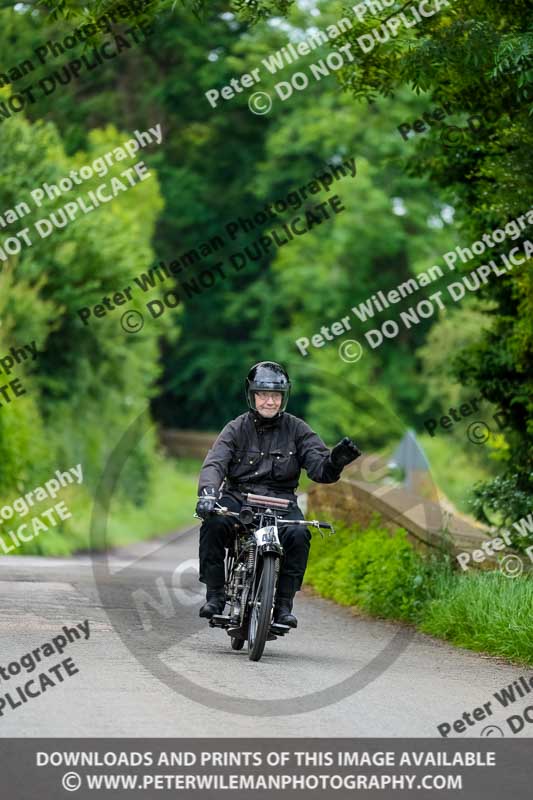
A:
x,y
267,535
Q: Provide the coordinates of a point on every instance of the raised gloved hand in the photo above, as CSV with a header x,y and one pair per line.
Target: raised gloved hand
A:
x,y
206,502
344,453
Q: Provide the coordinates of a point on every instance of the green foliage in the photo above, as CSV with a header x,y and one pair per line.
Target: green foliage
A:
x,y
380,573
94,373
169,503
456,463
24,447
253,11
72,12
485,611
454,330
383,575
502,501
489,177
478,58
220,164
226,163
23,444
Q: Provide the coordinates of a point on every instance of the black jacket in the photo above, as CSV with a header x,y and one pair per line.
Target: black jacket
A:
x,y
264,456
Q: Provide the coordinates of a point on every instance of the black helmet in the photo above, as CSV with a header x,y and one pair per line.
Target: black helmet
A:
x,y
264,376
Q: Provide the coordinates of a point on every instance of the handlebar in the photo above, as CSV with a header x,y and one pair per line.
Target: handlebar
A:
x,y
223,511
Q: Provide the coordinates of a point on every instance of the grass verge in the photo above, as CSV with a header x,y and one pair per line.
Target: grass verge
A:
x,y
385,577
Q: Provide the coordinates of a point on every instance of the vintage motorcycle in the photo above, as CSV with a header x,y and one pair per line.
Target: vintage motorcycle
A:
x,y
252,568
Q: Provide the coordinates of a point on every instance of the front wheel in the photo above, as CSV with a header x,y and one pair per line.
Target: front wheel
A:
x,y
261,611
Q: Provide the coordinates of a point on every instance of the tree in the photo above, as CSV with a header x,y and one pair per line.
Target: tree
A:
x,y
475,57
91,372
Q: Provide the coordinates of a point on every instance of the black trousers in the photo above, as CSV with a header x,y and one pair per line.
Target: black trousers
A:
x,y
217,533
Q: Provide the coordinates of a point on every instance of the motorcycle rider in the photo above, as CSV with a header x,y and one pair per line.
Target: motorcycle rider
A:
x,y
262,451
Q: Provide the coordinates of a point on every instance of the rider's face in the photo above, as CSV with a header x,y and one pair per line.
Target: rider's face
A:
x,y
268,403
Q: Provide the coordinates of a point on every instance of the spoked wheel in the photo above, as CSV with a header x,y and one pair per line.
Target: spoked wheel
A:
x,y
236,644
261,610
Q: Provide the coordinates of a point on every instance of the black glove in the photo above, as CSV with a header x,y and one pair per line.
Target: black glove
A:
x,y
344,453
206,503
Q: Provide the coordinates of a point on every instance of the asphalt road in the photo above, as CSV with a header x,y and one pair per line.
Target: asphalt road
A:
x,y
152,667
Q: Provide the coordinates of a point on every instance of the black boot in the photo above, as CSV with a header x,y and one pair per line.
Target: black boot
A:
x,y
288,585
215,602
282,611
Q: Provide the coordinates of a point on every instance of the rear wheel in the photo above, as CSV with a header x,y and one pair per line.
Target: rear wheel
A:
x,y
261,609
237,644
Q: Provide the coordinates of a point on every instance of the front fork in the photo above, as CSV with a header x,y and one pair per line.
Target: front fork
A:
x,y
255,575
